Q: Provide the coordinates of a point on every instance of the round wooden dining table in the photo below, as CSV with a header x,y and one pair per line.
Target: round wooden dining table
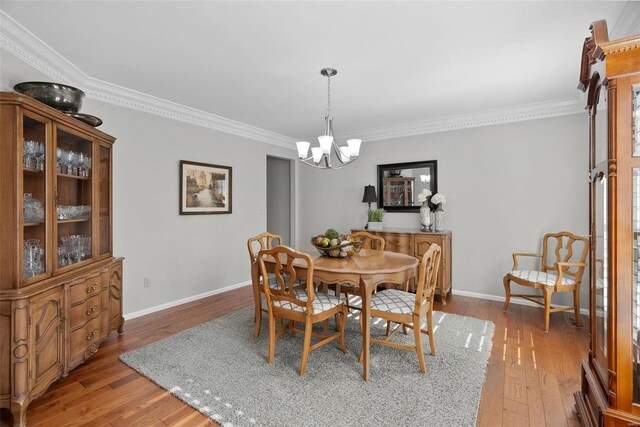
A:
x,y
366,269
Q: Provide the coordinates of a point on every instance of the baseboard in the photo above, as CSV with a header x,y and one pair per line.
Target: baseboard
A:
x,y
170,304
150,310
514,300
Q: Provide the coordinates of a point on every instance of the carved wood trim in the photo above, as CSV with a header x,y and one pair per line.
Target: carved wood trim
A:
x,y
591,51
20,349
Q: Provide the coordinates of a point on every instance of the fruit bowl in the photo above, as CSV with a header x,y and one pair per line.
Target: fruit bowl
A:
x,y
342,250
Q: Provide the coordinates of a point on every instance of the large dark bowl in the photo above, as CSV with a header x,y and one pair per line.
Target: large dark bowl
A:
x,y
61,97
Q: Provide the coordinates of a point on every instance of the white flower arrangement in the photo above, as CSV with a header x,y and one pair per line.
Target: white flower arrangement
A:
x,y
438,199
424,195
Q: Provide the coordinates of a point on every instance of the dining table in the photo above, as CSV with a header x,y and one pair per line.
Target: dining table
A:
x,y
366,270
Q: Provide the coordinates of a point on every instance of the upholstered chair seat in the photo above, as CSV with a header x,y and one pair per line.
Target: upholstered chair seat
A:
x,y
548,279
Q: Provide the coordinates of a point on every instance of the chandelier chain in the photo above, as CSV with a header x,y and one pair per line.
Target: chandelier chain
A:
x,y
328,95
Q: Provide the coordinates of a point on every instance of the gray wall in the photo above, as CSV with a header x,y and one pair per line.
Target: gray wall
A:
x,y
184,255
506,186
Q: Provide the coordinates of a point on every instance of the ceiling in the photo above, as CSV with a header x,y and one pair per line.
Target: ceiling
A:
x,y
258,63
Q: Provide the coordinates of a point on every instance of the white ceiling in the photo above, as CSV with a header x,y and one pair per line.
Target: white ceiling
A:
x,y
258,62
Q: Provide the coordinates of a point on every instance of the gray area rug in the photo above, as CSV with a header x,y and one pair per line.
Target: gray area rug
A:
x,y
218,369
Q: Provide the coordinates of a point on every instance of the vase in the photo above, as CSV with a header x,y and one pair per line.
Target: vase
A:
x,y
425,217
438,218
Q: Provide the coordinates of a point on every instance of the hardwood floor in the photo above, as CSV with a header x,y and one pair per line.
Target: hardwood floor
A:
x,y
530,380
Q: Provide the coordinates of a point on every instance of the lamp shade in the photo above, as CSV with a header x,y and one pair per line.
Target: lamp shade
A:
x,y
303,149
369,194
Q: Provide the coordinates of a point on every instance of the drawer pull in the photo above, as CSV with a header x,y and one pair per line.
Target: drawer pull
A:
x,y
91,288
92,309
92,334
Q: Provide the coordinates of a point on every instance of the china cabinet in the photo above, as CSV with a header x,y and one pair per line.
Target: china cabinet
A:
x,y
60,286
416,244
610,76
398,191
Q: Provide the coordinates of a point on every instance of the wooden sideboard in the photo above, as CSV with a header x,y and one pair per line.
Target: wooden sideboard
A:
x,y
416,243
60,285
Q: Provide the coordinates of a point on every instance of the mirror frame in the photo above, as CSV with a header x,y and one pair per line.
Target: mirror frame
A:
x,y
433,164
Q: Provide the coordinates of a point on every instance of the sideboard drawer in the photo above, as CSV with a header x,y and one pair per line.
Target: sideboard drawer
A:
x,y
84,337
400,243
81,290
84,311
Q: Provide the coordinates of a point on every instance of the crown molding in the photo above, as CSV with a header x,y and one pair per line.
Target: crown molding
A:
x,y
536,111
25,45
128,98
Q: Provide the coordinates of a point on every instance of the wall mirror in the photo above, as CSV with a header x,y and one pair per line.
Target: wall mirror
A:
x,y
400,183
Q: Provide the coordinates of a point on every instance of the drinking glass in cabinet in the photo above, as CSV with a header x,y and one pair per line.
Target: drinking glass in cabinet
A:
x,y
73,163
33,154
33,255
74,248
33,209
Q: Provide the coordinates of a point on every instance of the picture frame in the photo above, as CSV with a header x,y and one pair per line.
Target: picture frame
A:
x,y
400,183
205,188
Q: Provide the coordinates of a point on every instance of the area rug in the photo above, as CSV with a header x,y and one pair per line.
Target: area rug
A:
x,y
218,369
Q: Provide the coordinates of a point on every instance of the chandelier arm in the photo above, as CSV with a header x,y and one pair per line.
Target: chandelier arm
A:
x,y
320,166
336,150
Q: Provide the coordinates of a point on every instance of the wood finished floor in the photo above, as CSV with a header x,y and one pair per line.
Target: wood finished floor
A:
x,y
530,380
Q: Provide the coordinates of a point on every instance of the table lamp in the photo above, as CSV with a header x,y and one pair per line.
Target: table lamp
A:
x,y
369,195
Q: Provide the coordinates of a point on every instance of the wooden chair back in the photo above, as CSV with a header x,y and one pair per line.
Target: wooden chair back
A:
x,y
262,241
428,275
368,240
286,276
563,247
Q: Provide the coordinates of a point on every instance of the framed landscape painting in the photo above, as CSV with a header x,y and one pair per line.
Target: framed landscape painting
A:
x,y
204,188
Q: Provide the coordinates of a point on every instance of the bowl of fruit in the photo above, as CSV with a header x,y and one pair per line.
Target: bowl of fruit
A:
x,y
335,245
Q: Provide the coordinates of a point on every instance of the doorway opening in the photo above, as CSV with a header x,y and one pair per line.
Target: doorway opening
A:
x,y
279,198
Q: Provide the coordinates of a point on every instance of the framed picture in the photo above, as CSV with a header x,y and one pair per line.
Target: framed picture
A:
x,y
204,188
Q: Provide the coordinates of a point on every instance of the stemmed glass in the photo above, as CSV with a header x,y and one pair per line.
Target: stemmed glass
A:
x,y
39,152
29,154
60,163
87,165
69,159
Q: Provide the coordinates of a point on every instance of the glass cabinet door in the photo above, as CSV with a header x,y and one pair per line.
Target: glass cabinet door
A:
x,y
599,233
599,268
104,204
36,149
73,198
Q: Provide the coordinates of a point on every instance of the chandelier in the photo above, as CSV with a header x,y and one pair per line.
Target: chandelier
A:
x,y
321,155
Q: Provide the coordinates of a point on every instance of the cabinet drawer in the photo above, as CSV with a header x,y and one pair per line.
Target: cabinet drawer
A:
x,y
400,243
84,337
84,311
423,242
84,289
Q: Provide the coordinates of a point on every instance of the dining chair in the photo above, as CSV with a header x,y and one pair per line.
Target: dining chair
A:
x,y
286,300
255,244
556,274
408,310
369,241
